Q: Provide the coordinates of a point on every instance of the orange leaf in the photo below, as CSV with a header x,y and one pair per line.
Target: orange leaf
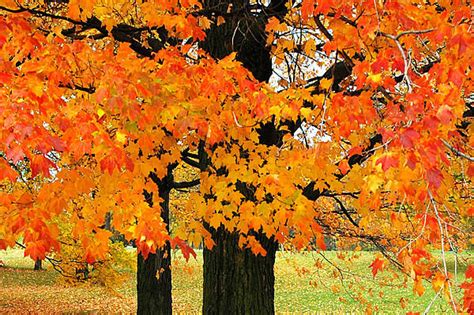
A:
x,y
344,167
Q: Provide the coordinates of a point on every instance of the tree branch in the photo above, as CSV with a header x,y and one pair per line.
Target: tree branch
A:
x,y
182,185
456,151
346,213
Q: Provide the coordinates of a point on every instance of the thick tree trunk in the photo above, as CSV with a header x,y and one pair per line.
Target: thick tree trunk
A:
x,y
154,273
236,281
154,283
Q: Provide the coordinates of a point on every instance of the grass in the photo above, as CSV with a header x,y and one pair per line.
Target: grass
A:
x,y
305,282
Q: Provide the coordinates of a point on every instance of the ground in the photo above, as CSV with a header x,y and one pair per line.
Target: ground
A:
x,y
305,282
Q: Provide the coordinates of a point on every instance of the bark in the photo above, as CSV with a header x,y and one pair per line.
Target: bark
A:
x,y
236,281
154,273
38,264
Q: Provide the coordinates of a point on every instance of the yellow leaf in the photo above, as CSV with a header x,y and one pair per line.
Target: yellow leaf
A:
x,y
325,84
216,220
376,78
121,137
373,182
306,112
418,286
310,47
100,112
37,89
204,23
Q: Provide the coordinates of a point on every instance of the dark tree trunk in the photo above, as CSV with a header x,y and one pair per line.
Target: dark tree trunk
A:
x,y
38,264
154,273
236,281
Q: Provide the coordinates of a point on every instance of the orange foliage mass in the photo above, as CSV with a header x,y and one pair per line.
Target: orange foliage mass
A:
x,y
89,106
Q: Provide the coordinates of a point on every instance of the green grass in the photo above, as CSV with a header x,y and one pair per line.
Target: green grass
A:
x,y
301,286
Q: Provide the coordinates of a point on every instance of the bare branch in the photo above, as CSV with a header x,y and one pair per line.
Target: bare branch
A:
x,y
181,185
456,151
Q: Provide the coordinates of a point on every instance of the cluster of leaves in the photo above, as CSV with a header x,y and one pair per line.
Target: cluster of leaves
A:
x,y
86,121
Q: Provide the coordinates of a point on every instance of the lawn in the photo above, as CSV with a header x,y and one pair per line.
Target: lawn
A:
x,y
305,282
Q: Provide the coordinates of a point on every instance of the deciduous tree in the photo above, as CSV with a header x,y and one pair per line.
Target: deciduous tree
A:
x,y
366,135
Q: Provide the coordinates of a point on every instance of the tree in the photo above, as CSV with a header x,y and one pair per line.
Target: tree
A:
x,y
105,100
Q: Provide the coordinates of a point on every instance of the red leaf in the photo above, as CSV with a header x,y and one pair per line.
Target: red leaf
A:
x,y
455,76
470,170
377,265
307,8
5,77
15,154
408,138
185,248
6,171
89,258
470,272
35,250
387,161
40,165
434,177
354,151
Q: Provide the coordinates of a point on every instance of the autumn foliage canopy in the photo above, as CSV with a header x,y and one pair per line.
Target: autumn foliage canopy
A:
x,y
95,95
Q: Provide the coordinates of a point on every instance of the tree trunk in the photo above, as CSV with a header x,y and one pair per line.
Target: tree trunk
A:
x,y
236,281
38,264
154,273
154,283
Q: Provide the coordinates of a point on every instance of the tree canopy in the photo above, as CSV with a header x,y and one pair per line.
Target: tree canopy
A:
x,y
364,131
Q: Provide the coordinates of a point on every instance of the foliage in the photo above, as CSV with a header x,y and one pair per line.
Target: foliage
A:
x,y
100,101
111,271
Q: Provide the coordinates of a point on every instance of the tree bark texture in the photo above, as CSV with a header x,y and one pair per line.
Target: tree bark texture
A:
x,y
154,273
235,280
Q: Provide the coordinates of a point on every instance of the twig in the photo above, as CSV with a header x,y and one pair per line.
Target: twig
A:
x,y
406,62
456,151
443,255
432,301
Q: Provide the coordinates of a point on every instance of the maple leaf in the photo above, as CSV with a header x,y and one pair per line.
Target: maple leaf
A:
x,y
15,154
307,8
418,287
470,272
438,281
325,84
35,250
409,137
185,248
434,177
344,167
377,265
387,161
